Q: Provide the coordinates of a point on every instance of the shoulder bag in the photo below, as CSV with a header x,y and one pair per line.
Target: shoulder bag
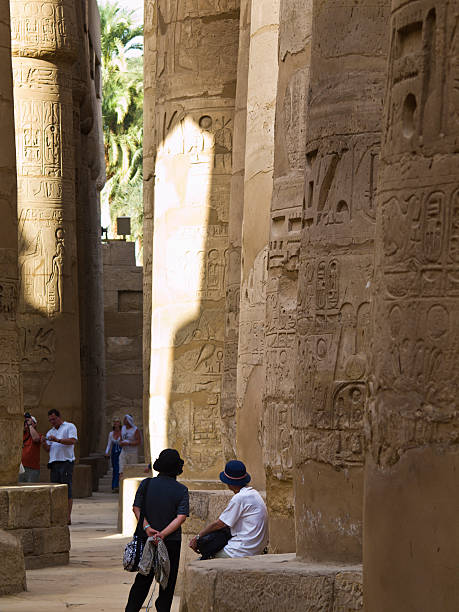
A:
x,y
134,549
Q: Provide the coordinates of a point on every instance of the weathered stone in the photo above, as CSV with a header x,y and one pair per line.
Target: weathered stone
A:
x,y
51,540
236,208
44,48
10,381
336,268
275,583
192,50
82,481
59,505
47,560
123,303
258,184
295,23
411,494
12,570
29,507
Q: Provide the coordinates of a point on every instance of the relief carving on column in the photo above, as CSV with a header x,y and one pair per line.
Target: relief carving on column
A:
x,y
416,342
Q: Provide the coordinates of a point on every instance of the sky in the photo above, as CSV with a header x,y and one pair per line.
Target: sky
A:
x,y
134,5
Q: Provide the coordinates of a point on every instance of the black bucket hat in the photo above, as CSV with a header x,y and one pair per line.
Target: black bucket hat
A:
x,y
169,462
235,474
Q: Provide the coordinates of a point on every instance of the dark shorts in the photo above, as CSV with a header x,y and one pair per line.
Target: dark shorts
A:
x,y
61,473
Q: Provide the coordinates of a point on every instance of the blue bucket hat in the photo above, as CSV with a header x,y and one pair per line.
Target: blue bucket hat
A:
x,y
235,474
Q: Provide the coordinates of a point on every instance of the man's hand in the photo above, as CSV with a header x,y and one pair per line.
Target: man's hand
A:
x,y
53,439
194,544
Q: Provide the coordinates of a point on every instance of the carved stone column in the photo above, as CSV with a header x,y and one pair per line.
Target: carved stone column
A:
x,y
348,63
194,61
233,276
283,260
411,475
43,44
258,186
11,417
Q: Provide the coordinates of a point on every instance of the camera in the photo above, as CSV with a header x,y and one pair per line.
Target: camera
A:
x,y
27,415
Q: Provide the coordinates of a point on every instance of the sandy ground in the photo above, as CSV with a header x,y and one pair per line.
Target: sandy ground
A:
x,y
94,580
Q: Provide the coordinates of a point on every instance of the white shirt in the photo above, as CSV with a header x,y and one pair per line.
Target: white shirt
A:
x,y
58,451
247,517
129,435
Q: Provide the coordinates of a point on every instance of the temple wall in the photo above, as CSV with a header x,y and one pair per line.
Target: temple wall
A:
x,y
123,300
193,53
282,270
411,497
348,67
44,49
258,186
11,417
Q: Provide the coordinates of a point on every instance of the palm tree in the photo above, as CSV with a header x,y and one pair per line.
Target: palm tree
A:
x,y
122,110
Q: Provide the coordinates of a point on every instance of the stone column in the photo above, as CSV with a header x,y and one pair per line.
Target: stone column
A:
x,y
348,63
11,417
283,260
43,43
194,51
89,179
411,494
233,276
258,187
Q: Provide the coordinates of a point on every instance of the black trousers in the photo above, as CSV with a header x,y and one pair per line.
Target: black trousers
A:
x,y
142,584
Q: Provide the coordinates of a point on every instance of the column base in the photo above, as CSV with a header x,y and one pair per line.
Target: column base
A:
x,y
36,515
272,583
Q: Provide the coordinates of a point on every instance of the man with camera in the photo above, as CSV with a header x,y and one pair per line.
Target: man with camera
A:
x,y
59,442
30,450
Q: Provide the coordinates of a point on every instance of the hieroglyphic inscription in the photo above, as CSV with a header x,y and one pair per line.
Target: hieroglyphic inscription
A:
x,y
415,354
39,28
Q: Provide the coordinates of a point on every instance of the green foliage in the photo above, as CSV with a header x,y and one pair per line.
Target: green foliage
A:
x,y
122,110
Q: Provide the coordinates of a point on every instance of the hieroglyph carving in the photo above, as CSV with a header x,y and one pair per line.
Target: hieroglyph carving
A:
x,y
416,349
334,292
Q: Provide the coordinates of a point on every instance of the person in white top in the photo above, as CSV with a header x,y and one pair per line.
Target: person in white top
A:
x,y
130,441
60,442
246,515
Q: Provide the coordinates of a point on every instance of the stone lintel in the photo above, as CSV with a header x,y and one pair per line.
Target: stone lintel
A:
x,y
272,583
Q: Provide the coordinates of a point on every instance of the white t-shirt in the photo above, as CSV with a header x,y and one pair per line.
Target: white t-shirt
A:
x,y
247,517
58,451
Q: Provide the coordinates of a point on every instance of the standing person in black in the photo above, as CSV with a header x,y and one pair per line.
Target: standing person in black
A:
x,y
166,508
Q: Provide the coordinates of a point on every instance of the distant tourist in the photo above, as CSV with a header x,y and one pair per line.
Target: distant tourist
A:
x,y
30,450
113,451
166,506
130,441
245,515
60,442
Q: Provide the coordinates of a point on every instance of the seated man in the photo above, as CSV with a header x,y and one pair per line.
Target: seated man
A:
x,y
245,515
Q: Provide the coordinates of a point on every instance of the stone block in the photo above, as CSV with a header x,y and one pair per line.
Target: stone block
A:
x,y
12,569
272,583
25,537
29,507
59,504
92,462
82,481
51,540
4,505
47,560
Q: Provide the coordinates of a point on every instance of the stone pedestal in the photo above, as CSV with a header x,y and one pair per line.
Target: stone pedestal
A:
x,y
411,495
347,74
272,583
12,570
37,516
189,135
